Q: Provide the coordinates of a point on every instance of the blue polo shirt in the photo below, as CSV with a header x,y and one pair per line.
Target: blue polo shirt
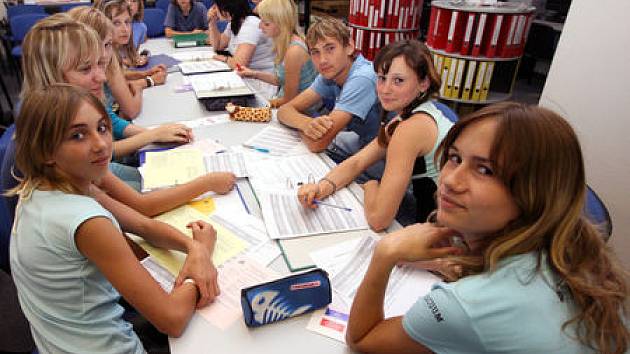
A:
x,y
196,19
357,96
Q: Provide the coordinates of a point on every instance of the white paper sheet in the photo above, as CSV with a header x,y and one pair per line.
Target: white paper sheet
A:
x,y
159,273
280,141
234,276
194,55
207,66
251,229
286,173
226,162
285,217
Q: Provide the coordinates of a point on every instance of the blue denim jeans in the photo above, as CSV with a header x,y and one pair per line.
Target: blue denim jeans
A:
x,y
128,174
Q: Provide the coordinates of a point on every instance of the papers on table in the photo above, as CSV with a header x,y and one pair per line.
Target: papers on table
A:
x,y
285,217
222,84
227,162
194,55
234,276
171,167
159,273
280,141
286,173
206,121
198,67
227,245
251,230
405,286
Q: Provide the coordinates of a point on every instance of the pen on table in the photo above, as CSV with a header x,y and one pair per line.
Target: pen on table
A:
x,y
257,148
319,202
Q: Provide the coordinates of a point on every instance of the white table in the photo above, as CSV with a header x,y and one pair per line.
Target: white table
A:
x,y
161,105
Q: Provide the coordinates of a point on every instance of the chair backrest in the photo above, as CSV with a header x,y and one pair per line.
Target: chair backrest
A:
x,y
162,4
21,24
447,111
6,220
208,3
596,211
67,7
154,19
21,9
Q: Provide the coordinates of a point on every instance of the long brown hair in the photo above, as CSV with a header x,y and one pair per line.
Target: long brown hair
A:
x,y
45,117
538,157
113,8
418,58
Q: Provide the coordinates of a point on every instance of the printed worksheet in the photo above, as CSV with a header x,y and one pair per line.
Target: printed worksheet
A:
x,y
171,167
285,217
207,66
227,162
286,173
278,141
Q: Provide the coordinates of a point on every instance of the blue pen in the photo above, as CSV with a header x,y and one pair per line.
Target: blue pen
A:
x,y
259,149
319,202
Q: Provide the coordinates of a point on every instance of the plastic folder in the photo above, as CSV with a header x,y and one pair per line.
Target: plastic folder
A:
x,y
190,40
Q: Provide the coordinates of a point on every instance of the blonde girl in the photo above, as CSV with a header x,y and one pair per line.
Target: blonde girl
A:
x,y
294,71
538,277
69,258
59,49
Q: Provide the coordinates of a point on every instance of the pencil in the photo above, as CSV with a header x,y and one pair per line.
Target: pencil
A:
x,y
319,202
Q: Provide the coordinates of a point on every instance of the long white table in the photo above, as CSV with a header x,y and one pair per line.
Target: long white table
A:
x,y
161,105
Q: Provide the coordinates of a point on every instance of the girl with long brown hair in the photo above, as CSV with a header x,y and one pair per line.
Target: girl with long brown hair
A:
x,y
537,277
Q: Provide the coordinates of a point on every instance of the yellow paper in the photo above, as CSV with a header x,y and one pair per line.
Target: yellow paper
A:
x,y
228,245
206,205
171,167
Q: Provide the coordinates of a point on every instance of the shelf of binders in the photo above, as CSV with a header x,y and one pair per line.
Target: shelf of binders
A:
x,y
475,80
477,48
376,23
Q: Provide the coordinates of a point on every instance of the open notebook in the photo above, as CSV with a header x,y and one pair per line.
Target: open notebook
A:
x,y
220,84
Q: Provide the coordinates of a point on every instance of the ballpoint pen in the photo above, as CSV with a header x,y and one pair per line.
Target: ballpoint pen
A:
x,y
257,148
319,202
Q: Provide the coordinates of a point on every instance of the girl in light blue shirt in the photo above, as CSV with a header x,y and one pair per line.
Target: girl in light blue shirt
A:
x,y
536,276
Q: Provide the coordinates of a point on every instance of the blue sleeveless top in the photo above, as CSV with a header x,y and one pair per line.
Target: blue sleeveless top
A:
x,y
307,73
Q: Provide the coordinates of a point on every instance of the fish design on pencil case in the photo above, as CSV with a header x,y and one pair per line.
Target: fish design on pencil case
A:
x,y
269,307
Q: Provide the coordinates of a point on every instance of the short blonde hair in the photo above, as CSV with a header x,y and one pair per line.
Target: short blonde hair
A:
x,y
327,27
54,45
283,13
45,117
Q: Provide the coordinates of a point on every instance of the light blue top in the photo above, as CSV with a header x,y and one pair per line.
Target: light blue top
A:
x,y
443,125
70,305
139,33
307,72
196,18
515,309
357,96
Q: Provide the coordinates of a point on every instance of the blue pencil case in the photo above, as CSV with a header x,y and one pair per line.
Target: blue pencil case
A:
x,y
285,297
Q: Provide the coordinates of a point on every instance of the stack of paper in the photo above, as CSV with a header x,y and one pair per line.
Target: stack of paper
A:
x,y
221,84
171,167
199,67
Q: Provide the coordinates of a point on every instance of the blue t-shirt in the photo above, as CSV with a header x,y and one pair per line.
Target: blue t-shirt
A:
x,y
70,305
139,33
196,19
514,309
357,96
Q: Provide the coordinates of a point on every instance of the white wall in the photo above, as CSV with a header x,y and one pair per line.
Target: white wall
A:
x,y
589,84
